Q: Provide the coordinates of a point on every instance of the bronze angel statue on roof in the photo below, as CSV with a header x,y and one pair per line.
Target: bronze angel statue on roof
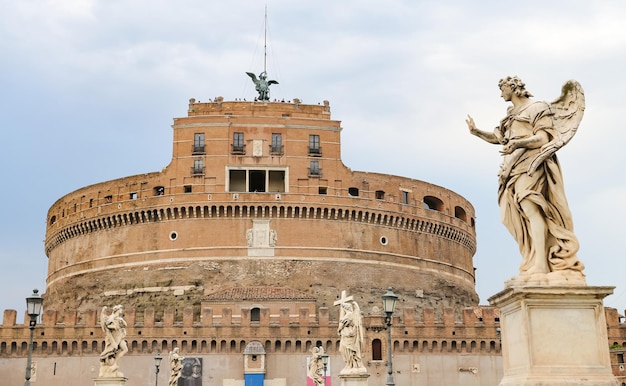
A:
x,y
262,85
531,194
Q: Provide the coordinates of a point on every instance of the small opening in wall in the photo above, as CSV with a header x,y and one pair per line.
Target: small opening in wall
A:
x,y
187,188
383,240
254,357
133,196
173,236
91,332
322,190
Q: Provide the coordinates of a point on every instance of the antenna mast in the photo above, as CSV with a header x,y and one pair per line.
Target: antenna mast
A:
x,y
265,42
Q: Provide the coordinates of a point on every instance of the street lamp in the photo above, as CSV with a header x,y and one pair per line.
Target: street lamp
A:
x,y
33,308
325,363
157,363
389,303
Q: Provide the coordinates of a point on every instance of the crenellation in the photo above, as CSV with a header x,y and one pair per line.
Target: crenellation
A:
x,y
130,315
149,317
227,316
168,316
323,316
448,317
303,316
49,317
207,316
9,318
429,316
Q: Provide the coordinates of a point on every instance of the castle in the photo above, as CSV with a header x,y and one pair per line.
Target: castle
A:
x,y
238,248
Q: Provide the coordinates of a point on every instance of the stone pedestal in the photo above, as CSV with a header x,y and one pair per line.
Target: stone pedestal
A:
x,y
110,381
554,335
358,379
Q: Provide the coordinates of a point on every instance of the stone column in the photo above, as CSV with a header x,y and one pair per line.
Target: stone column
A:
x,y
554,335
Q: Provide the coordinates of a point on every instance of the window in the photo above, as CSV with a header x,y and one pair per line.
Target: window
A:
x,y
256,180
108,199
377,350
460,213
380,195
187,189
322,190
238,145
314,169
354,192
133,196
255,314
433,203
620,358
314,145
198,167
405,197
198,143
159,190
277,144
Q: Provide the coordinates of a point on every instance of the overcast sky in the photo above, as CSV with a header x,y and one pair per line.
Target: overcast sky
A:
x,y
88,90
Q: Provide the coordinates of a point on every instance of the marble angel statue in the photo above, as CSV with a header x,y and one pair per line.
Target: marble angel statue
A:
x,y
531,194
351,335
114,327
316,366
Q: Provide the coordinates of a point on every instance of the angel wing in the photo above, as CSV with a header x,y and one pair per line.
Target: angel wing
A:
x,y
272,82
253,77
568,111
103,318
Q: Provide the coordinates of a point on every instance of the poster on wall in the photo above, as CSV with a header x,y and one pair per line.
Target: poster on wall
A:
x,y
325,376
191,374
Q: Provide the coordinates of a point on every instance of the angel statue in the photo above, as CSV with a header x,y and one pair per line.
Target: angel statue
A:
x,y
316,366
531,195
114,327
176,366
262,85
350,331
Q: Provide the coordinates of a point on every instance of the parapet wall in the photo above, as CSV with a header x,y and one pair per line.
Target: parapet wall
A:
x,y
72,333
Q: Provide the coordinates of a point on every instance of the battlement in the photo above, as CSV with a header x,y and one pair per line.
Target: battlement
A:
x,y
277,108
305,316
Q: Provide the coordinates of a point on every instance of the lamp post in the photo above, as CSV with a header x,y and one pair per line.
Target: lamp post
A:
x,y
33,308
325,363
157,363
389,303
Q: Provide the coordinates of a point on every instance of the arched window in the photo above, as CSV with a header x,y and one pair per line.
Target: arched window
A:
x,y
377,350
255,314
433,203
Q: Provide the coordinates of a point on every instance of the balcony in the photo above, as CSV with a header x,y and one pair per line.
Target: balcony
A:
x,y
197,149
315,172
315,151
197,171
238,149
277,150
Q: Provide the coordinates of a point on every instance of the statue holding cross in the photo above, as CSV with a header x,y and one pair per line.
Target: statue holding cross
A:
x,y
350,331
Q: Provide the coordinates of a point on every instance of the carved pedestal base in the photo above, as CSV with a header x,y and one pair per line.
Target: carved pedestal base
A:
x,y
554,335
357,379
110,381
